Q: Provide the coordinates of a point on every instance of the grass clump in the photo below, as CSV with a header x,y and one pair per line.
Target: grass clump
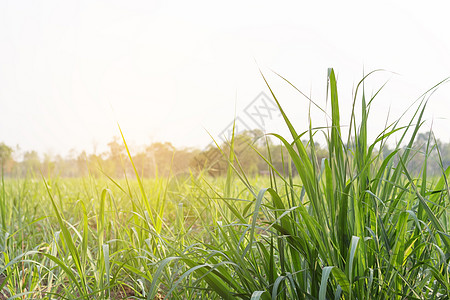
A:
x,y
354,225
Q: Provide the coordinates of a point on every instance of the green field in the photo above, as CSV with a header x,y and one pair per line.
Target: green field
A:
x,y
355,225
94,238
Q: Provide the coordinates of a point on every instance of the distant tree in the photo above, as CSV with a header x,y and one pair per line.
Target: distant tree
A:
x,y
82,164
117,152
116,148
5,158
279,157
245,145
210,160
161,155
95,165
215,161
144,164
48,165
425,147
31,162
5,152
182,160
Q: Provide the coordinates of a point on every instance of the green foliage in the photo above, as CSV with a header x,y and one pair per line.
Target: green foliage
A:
x,y
352,222
353,225
5,152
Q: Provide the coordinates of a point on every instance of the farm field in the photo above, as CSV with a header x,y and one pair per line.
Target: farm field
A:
x,y
355,225
99,241
238,150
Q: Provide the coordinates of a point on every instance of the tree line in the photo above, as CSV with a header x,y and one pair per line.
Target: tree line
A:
x,y
156,159
251,148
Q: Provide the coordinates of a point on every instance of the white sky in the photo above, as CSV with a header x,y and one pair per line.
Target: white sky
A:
x,y
166,71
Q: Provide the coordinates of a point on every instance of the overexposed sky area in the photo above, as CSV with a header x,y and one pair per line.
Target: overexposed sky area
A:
x,y
173,70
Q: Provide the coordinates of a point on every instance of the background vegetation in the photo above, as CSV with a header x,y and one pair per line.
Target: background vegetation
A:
x,y
163,159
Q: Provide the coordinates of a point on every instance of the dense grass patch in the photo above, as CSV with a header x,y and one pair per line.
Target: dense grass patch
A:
x,y
354,225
